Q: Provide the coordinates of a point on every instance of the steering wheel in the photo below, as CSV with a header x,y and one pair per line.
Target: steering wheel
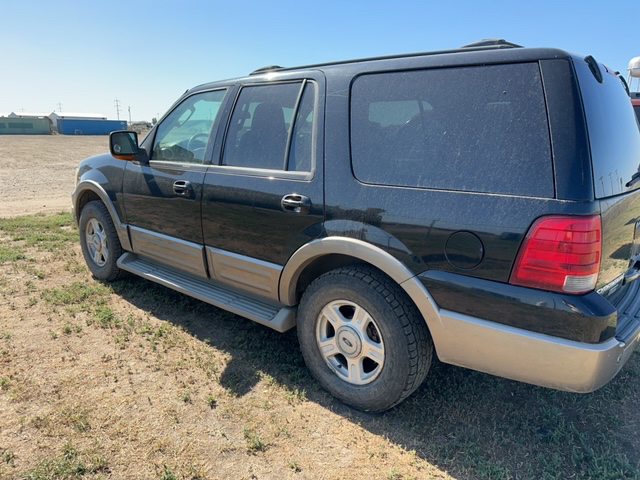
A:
x,y
197,136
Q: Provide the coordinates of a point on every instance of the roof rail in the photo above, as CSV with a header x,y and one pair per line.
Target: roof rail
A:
x,y
487,44
269,68
492,42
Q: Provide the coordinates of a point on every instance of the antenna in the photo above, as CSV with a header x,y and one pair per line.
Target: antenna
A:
x,y
117,104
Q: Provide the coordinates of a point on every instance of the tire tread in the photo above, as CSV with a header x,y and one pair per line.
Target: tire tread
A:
x,y
114,244
414,328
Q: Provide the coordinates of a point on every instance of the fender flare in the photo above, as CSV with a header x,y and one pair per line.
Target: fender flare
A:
x,y
93,186
370,254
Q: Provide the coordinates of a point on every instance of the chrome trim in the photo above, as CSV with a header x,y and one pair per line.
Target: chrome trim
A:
x,y
245,273
121,228
261,172
171,251
184,166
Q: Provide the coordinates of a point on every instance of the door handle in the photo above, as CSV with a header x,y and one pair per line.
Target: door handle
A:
x,y
296,203
182,187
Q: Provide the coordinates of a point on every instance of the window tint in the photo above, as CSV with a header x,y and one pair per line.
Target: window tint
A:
x,y
184,134
613,131
302,143
636,108
261,133
478,129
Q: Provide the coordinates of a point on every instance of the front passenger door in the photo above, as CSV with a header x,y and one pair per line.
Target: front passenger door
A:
x,y
162,198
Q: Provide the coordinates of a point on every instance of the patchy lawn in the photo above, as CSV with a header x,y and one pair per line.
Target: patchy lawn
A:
x,y
133,380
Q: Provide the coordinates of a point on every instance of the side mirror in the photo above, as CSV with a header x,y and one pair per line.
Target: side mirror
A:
x,y
123,145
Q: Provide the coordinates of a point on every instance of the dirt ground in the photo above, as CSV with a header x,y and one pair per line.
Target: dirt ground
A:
x,y
131,380
37,171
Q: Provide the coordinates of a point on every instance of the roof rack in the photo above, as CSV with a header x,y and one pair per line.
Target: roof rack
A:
x,y
269,68
492,42
487,44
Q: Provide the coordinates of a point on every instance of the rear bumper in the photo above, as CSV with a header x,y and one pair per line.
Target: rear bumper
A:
x,y
510,351
530,357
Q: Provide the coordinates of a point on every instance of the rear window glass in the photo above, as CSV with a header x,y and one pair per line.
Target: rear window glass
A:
x,y
613,131
477,129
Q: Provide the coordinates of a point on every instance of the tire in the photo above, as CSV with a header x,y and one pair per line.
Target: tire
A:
x,y
100,244
362,338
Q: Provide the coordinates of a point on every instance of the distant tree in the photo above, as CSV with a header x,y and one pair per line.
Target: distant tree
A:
x,y
154,120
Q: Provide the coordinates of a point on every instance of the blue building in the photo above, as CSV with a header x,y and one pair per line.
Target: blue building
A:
x,y
86,124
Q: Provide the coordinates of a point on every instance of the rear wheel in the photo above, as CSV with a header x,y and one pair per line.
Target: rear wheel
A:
x,y
100,244
362,338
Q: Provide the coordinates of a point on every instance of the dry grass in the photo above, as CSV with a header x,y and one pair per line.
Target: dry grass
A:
x,y
131,380
142,382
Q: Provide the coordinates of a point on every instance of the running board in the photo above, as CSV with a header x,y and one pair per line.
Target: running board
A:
x,y
280,319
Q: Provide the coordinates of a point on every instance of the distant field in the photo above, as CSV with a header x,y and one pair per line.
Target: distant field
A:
x,y
131,380
37,171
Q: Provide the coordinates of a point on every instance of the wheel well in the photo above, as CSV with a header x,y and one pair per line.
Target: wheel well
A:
x,y
326,263
322,265
85,197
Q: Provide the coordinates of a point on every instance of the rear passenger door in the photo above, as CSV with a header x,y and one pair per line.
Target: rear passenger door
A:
x,y
265,198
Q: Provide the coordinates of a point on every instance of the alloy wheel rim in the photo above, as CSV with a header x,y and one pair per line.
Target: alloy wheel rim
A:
x,y
96,240
350,342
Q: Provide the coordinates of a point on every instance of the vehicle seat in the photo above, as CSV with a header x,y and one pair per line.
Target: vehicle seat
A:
x,y
264,144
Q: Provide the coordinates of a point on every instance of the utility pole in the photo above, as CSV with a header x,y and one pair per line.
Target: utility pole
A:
x,y
59,105
129,115
117,104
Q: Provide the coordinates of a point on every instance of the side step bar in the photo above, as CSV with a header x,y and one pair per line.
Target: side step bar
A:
x,y
280,319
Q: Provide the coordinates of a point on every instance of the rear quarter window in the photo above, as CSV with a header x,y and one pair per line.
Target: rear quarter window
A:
x,y
476,129
613,131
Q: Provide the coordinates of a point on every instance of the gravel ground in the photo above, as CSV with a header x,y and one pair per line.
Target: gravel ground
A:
x,y
37,171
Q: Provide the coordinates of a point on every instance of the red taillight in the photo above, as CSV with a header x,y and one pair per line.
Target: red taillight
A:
x,y
560,254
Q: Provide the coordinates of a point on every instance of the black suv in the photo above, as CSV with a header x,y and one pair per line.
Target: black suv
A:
x,y
482,202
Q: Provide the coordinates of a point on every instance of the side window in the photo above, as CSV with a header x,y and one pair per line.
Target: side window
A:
x,y
271,127
476,129
302,140
183,135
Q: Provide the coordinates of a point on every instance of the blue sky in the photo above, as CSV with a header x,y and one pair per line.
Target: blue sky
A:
x,y
84,55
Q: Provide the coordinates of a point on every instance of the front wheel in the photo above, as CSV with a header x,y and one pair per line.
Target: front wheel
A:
x,y
100,244
362,338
